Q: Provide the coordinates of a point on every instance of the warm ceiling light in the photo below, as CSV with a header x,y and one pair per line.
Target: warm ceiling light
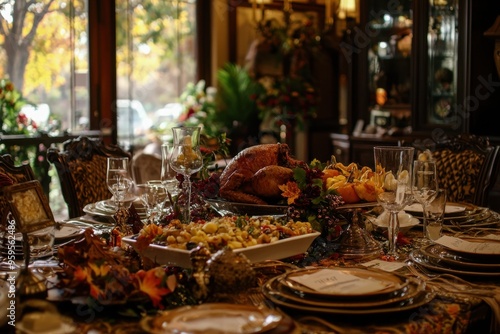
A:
x,y
347,8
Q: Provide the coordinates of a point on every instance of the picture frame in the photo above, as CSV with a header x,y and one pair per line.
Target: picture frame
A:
x,y
29,206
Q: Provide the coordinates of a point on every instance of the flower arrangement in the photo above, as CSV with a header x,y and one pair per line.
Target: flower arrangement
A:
x,y
12,120
285,99
310,200
288,97
91,269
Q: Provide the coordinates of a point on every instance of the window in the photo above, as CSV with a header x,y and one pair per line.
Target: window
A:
x,y
156,58
96,65
49,61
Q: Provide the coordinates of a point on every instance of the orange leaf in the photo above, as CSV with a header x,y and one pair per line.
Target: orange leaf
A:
x,y
290,191
151,284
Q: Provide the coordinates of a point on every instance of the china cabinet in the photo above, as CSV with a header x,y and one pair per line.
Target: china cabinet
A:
x,y
422,65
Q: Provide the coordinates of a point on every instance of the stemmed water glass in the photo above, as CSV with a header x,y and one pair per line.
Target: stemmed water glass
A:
x,y
186,159
118,179
393,166
424,186
168,175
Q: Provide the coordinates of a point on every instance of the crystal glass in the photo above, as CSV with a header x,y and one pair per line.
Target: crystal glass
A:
x,y
393,166
118,179
434,215
168,175
424,185
186,159
152,196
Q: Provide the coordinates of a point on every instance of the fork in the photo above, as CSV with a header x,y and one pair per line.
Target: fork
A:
x,y
420,271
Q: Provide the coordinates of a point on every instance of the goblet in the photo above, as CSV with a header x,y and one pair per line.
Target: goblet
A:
x,y
424,185
168,175
118,179
393,166
186,159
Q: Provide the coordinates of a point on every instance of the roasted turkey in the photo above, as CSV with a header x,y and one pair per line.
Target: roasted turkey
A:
x,y
254,174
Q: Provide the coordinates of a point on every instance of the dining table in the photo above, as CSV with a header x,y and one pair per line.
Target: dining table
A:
x,y
438,291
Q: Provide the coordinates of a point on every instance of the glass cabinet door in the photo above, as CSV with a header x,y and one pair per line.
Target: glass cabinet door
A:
x,y
442,39
389,63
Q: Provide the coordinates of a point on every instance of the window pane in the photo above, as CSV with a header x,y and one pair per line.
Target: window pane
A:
x,y
50,64
155,61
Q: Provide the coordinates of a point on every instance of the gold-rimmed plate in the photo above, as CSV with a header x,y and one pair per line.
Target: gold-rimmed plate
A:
x,y
214,318
421,299
379,283
428,263
451,209
442,255
275,287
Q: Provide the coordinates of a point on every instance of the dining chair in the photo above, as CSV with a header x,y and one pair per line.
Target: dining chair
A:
x,y
11,174
146,166
81,167
467,166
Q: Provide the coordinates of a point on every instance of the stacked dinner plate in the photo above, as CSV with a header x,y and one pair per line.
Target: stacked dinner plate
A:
x,y
460,257
461,216
345,291
107,208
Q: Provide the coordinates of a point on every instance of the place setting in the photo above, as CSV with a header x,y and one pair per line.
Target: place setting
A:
x,y
345,291
462,256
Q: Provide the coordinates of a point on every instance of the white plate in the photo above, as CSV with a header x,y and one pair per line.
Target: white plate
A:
x,y
406,221
450,209
280,249
216,318
67,231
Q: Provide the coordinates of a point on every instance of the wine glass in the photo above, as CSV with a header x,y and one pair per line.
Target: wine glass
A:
x,y
424,185
152,196
186,159
168,175
118,179
393,166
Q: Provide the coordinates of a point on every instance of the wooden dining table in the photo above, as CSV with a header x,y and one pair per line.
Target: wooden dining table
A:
x,y
448,311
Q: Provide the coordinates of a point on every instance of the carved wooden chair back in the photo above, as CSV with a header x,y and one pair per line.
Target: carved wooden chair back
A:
x,y
81,167
467,166
11,174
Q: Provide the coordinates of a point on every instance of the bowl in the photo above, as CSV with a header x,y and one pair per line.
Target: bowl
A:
x,y
406,221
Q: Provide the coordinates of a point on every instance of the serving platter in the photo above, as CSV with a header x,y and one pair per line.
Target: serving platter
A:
x,y
280,249
224,207
218,318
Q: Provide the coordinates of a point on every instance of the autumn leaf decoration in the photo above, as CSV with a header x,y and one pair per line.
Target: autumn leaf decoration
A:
x,y
91,268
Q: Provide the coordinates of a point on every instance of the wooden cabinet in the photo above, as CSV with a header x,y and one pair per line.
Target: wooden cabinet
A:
x,y
442,81
359,149
425,65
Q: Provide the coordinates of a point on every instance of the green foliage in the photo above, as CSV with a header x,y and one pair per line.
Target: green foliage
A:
x,y
11,102
235,92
